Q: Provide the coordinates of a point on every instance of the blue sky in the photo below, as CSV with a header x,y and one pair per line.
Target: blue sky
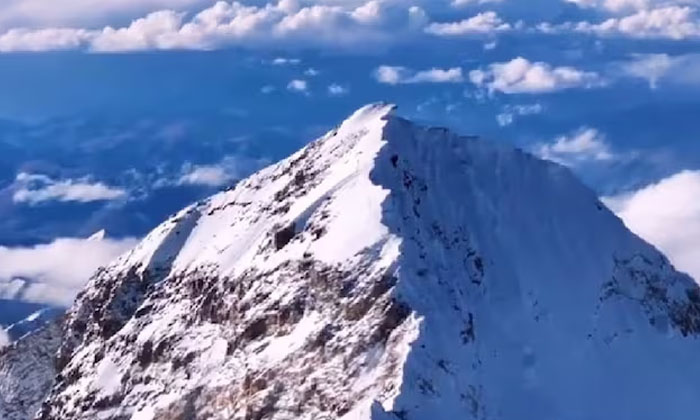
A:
x,y
115,113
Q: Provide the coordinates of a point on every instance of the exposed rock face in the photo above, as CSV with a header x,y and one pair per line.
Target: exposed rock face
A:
x,y
387,271
27,370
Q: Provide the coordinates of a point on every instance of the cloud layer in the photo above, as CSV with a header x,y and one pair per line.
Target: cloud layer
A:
x,y
227,24
667,214
37,25
54,273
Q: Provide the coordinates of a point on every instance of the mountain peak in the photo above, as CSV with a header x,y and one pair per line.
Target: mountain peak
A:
x,y
386,271
371,112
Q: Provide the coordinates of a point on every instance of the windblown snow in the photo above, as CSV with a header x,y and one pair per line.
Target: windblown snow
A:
x,y
387,271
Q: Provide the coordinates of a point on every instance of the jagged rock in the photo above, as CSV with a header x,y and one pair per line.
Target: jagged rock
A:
x,y
27,371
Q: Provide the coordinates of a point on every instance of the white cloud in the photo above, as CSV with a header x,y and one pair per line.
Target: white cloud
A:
x,y
463,3
651,67
210,176
42,39
220,174
282,61
267,89
483,23
34,189
666,214
286,24
658,68
584,145
394,75
37,13
298,85
491,45
451,75
370,12
289,6
510,112
54,273
335,89
667,22
622,6
226,24
613,5
311,72
156,30
417,17
522,76
391,75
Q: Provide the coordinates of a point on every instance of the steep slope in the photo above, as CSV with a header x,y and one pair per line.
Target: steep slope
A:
x,y
27,370
387,271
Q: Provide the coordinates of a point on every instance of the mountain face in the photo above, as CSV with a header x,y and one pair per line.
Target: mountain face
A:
x,y
387,271
27,372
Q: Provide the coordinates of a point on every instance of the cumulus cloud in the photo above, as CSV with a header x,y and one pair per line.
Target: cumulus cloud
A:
x,y
370,12
511,112
335,89
483,23
673,22
226,24
394,75
668,22
54,273
584,145
298,85
666,214
43,39
523,76
35,188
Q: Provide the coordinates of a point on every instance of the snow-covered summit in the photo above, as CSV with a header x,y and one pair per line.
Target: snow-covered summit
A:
x,y
387,271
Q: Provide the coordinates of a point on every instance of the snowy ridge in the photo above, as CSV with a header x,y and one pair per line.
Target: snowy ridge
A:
x,y
33,322
387,271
